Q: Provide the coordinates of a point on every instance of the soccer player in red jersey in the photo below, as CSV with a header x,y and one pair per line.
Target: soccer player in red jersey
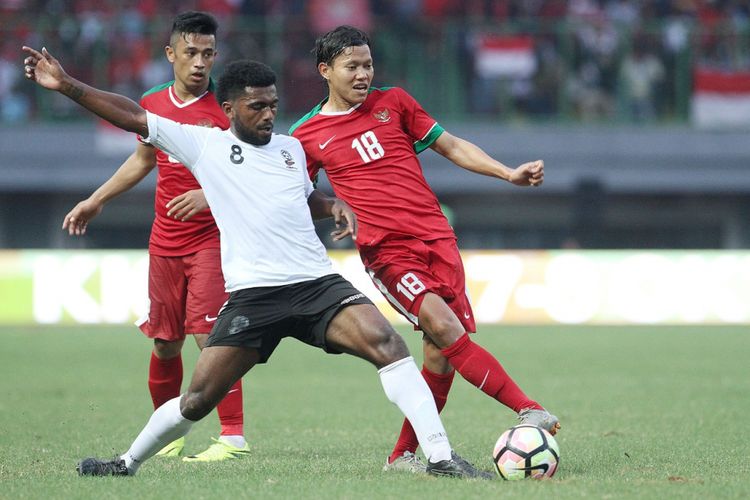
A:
x,y
185,282
367,140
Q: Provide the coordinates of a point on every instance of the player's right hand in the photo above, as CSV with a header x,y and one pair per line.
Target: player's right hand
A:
x,y
186,205
78,219
43,68
345,220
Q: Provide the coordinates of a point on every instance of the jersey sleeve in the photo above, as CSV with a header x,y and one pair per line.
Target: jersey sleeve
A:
x,y
313,166
309,187
313,169
183,142
422,128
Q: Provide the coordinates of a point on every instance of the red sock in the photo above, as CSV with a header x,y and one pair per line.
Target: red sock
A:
x,y
440,385
480,368
164,379
230,411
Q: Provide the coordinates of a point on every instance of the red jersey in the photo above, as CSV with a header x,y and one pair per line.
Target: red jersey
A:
x,y
369,154
171,237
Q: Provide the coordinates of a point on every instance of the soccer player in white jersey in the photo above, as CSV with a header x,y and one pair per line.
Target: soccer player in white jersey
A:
x,y
185,284
281,284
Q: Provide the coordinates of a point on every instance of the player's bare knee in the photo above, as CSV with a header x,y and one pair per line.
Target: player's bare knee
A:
x,y
194,406
167,350
443,331
390,347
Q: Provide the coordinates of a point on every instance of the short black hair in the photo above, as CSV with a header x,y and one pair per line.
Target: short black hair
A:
x,y
241,74
192,21
330,45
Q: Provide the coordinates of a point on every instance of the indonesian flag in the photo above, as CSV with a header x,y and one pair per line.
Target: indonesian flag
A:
x,y
504,56
720,99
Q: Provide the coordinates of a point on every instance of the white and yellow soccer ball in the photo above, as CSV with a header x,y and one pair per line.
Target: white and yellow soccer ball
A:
x,y
526,451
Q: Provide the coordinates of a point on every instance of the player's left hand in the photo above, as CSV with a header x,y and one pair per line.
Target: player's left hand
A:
x,y
43,68
346,221
529,174
186,205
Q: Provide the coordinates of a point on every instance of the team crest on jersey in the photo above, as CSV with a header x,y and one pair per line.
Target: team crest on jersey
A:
x,y
382,115
287,156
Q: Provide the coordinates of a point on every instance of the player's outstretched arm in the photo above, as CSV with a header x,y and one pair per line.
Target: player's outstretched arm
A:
x,y
120,111
130,173
471,157
323,206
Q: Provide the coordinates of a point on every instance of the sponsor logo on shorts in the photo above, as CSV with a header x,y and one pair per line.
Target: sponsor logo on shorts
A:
x,y
210,318
467,315
353,297
239,323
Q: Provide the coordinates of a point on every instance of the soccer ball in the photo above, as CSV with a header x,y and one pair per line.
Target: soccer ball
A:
x,y
526,451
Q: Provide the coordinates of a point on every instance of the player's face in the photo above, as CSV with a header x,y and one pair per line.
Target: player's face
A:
x,y
350,75
252,114
192,56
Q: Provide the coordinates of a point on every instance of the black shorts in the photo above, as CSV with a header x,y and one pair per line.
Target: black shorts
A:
x,y
260,317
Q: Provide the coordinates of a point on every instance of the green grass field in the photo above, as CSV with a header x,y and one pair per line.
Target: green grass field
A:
x,y
646,413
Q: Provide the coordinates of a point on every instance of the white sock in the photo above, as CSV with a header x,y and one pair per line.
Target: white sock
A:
x,y
165,425
238,441
406,388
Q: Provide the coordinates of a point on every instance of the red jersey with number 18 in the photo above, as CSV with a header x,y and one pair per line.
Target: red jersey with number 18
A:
x,y
369,154
171,237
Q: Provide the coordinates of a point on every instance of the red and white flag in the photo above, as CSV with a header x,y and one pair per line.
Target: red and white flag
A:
x,y
504,56
720,99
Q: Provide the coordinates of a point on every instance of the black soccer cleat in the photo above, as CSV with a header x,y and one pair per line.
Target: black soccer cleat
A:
x,y
457,467
96,467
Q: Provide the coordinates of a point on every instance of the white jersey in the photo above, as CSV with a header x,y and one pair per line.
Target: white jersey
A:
x,y
258,196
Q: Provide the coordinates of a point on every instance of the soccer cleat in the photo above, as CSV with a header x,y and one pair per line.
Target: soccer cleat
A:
x,y
96,467
408,462
457,467
219,451
173,449
540,418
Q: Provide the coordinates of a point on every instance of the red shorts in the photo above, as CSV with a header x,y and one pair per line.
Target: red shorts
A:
x,y
403,270
185,294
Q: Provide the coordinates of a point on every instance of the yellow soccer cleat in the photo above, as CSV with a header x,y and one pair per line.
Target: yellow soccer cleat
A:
x,y
173,449
219,451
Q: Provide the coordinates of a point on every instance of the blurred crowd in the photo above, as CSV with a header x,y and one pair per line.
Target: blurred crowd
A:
x,y
581,59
